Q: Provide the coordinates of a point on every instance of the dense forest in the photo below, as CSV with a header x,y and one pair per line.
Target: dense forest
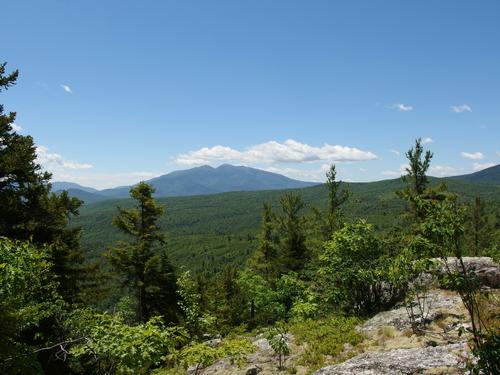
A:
x,y
139,286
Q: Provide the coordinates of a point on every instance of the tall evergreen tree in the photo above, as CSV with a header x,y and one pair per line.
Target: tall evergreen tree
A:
x,y
332,217
293,249
28,208
143,262
264,261
478,228
417,183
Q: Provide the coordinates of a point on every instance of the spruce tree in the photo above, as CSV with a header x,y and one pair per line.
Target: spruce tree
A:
x,y
143,262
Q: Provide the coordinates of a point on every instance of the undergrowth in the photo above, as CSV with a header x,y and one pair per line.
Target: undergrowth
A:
x,y
324,340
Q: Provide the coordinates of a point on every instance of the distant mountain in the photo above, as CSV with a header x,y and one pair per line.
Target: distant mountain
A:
x,y
489,175
195,181
63,185
86,196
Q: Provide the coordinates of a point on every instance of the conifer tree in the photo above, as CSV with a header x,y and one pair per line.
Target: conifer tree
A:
x,y
29,210
332,218
293,249
417,183
264,261
143,261
478,227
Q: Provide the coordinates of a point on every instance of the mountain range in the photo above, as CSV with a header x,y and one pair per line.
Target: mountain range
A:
x,y
225,178
195,181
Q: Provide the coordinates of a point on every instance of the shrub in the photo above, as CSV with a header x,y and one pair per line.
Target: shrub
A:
x,y
108,345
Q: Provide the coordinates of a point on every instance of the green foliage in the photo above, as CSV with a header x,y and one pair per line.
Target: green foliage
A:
x,y
265,260
291,231
479,231
143,262
325,338
203,355
277,337
355,271
107,345
332,218
28,296
196,321
487,356
260,299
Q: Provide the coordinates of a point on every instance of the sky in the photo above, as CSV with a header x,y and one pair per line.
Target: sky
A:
x,y
118,91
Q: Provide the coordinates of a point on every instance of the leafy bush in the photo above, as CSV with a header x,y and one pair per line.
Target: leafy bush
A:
x,y
27,296
202,355
109,346
196,321
355,273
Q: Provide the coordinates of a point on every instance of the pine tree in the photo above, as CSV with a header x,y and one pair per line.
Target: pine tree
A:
x,y
418,183
293,249
332,218
28,208
143,261
264,260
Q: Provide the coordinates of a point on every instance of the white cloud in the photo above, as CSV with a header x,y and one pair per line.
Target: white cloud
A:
x,y
363,170
480,166
473,155
395,152
16,127
401,107
53,161
427,140
67,89
273,152
460,108
443,171
498,153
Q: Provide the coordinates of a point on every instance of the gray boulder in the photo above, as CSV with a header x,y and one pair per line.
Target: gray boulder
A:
x,y
402,361
485,269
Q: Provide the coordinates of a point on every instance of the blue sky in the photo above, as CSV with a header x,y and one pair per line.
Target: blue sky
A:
x,y
118,91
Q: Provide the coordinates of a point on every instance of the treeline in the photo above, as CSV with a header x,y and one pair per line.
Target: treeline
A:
x,y
135,313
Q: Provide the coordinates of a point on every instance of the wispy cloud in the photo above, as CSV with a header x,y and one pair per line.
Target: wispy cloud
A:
x,y
53,161
16,127
427,140
393,173
273,152
480,166
67,89
395,152
498,153
472,155
461,108
401,107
